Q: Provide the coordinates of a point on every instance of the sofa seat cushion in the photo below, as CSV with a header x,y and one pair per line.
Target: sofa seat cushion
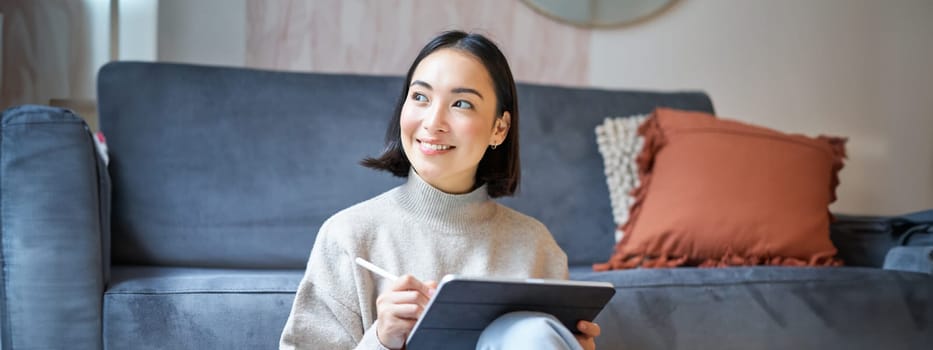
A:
x,y
766,308
192,308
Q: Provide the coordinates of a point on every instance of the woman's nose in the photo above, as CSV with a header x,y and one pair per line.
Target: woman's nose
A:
x,y
435,120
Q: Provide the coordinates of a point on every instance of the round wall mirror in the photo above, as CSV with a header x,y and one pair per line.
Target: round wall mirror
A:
x,y
600,13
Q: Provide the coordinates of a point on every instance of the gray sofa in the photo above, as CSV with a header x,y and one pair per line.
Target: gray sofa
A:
x,y
197,232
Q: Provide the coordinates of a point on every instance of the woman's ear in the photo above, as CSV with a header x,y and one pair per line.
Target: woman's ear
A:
x,y
502,127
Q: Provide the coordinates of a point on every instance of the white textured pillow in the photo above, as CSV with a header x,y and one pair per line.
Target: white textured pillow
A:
x,y
619,144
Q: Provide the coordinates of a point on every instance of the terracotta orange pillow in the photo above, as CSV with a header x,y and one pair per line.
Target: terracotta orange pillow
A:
x,y
716,192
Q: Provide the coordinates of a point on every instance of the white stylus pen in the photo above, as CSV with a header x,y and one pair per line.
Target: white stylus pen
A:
x,y
375,269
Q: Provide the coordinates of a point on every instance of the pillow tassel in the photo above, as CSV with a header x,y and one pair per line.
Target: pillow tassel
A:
x,y
838,147
730,259
654,141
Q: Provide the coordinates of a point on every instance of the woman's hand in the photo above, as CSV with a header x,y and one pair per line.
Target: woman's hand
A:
x,y
399,308
590,331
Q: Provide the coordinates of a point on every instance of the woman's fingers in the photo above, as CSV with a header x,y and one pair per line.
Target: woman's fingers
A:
x,y
586,342
399,308
405,311
590,331
407,298
409,282
404,297
432,286
589,328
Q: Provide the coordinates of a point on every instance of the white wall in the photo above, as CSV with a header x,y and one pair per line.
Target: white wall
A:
x,y
856,68
139,30
905,105
203,31
98,46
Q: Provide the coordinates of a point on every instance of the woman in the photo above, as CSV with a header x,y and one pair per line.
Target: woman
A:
x,y
454,135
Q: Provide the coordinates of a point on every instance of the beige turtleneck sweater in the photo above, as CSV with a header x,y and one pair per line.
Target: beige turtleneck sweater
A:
x,y
415,229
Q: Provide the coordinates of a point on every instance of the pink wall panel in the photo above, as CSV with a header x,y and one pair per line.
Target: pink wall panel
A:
x,y
45,50
383,37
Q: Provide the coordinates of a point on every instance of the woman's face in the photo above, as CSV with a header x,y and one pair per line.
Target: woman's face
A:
x,y
449,119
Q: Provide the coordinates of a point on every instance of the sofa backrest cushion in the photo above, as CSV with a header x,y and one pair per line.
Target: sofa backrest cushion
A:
x,y
235,167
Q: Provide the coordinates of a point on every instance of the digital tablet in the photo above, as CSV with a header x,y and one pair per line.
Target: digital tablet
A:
x,y
463,306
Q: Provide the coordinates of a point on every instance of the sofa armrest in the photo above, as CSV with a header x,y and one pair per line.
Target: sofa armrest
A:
x,y
863,240
866,240
54,230
912,259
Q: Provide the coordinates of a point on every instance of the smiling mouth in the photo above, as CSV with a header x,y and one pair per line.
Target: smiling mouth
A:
x,y
434,146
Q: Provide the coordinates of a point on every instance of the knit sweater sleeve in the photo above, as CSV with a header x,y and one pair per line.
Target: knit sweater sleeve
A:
x,y
326,311
554,256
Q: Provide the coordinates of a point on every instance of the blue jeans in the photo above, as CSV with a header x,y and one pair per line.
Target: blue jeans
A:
x,y
527,330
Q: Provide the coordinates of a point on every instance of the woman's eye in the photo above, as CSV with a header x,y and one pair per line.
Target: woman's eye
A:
x,y
463,104
419,97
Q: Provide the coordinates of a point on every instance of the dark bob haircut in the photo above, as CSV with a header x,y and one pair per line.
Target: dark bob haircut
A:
x,y
499,168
